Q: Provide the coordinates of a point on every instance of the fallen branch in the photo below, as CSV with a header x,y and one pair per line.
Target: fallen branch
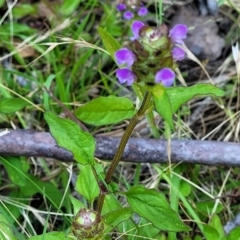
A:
x,y
32,143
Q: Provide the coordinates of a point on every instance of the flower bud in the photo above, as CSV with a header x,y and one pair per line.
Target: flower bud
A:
x,y
154,37
88,224
142,11
128,15
121,7
130,8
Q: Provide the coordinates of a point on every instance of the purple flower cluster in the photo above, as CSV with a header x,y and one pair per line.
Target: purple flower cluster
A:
x,y
128,13
125,58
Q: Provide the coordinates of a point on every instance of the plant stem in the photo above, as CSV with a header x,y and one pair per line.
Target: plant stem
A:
x,y
127,134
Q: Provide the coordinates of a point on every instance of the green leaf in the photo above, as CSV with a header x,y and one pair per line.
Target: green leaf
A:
x,y
50,191
130,227
216,223
221,2
11,105
77,205
116,30
2,3
15,171
152,205
197,237
114,218
106,110
147,230
50,236
86,183
162,104
234,234
208,206
110,204
68,7
210,233
181,95
69,136
185,188
22,10
18,29
5,229
109,42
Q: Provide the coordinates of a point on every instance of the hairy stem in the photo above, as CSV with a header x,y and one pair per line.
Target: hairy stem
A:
x,y
127,134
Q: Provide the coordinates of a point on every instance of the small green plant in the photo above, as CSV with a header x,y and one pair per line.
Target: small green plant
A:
x,y
148,64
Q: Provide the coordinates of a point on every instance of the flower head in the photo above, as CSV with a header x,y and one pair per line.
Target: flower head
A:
x,y
121,7
128,15
178,54
178,33
125,75
153,55
125,56
165,76
87,224
142,11
136,26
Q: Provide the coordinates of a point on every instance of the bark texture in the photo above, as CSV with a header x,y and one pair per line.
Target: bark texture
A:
x,y
32,143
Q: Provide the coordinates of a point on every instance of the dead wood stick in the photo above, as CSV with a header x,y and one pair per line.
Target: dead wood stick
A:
x,y
32,143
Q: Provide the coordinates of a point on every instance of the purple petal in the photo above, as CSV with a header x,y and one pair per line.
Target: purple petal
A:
x,y
165,76
121,7
178,54
136,26
128,15
142,11
125,75
125,56
178,33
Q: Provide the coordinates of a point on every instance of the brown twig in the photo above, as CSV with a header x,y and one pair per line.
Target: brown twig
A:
x,y
32,143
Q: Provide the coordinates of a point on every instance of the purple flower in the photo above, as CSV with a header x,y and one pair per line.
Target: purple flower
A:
x,y
165,76
125,56
136,26
121,7
142,11
128,15
178,54
125,75
178,33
